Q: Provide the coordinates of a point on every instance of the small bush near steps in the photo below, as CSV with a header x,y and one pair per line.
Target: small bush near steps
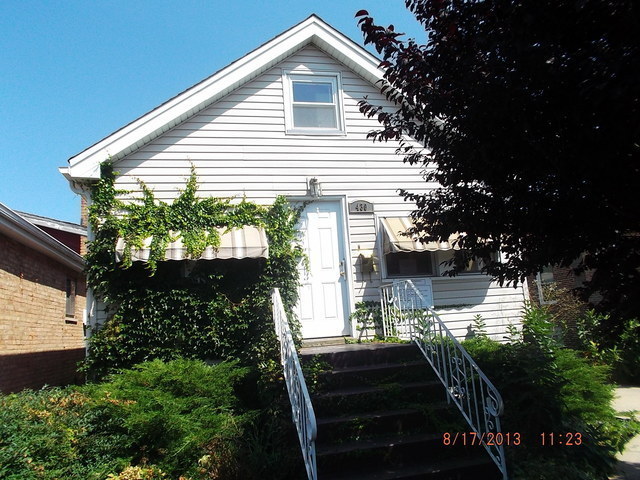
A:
x,y
548,388
182,419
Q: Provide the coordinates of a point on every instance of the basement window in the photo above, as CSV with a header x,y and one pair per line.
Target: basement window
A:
x,y
547,286
313,103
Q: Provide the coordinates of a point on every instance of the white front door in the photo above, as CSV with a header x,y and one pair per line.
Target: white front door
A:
x,y
322,305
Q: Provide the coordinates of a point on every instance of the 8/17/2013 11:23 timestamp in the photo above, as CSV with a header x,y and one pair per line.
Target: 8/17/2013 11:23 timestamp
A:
x,y
545,439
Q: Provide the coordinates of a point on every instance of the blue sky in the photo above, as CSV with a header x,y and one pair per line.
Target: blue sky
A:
x,y
72,72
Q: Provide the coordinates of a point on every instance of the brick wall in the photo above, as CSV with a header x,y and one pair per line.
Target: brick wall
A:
x,y
565,307
563,277
39,344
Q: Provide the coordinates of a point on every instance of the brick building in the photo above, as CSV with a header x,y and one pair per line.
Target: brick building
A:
x,y
42,301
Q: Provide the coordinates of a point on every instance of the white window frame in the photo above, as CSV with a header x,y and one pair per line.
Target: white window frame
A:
x,y
334,78
540,284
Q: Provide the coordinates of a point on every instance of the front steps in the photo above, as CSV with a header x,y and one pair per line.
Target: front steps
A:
x,y
381,415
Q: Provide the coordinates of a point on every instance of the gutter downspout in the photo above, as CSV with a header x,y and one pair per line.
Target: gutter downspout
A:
x,y
89,317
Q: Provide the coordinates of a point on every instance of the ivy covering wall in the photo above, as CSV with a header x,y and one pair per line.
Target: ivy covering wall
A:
x,y
215,309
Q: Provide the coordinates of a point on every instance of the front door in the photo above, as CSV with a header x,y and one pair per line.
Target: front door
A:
x,y
322,305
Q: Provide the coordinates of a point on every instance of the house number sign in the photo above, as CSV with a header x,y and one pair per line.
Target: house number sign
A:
x,y
361,206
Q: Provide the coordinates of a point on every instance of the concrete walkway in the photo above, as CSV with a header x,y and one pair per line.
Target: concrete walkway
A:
x,y
627,399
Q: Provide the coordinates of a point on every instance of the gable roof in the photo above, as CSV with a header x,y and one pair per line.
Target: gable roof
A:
x,y
313,30
16,227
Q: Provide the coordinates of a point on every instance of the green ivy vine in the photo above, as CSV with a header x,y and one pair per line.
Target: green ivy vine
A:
x,y
219,309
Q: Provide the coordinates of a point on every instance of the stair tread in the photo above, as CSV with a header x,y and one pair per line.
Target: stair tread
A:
x,y
422,468
376,414
377,442
345,391
356,347
379,366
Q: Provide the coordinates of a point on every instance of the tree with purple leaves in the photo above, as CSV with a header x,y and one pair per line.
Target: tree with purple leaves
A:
x,y
526,115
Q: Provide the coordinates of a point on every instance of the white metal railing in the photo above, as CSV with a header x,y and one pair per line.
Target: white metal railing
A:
x,y
406,315
301,408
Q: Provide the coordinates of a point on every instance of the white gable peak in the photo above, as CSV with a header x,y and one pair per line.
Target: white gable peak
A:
x,y
313,30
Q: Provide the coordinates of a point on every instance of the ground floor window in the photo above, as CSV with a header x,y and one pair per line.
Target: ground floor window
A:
x,y
408,264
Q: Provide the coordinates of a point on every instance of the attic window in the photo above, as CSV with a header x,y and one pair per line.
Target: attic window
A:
x,y
313,103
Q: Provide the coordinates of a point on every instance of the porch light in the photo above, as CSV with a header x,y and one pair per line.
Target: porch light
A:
x,y
315,189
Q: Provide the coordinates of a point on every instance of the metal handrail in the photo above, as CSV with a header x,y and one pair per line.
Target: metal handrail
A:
x,y
406,315
301,408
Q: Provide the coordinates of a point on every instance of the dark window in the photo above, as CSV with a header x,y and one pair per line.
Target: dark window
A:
x,y
71,298
407,264
547,287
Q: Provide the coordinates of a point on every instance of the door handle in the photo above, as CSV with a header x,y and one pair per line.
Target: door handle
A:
x,y
342,269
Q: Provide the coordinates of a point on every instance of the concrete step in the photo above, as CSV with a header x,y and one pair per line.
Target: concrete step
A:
x,y
382,373
436,417
388,451
476,468
361,399
351,355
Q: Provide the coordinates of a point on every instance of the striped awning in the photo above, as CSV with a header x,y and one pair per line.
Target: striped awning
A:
x,y
396,241
245,242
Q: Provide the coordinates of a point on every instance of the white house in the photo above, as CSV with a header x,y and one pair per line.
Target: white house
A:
x,y
284,120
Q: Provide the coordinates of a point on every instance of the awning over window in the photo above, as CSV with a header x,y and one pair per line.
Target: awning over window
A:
x,y
246,242
395,241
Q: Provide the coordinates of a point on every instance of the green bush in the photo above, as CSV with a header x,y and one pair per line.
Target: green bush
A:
x,y
620,350
48,435
548,388
368,319
180,418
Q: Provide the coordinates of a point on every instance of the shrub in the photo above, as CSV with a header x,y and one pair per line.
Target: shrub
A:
x,y
47,435
169,411
620,351
548,388
368,319
177,418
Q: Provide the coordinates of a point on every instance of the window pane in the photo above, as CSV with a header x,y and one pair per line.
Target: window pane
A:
x,y
312,92
314,117
71,298
406,264
546,276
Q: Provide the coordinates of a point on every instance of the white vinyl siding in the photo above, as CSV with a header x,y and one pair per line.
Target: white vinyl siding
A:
x,y
240,146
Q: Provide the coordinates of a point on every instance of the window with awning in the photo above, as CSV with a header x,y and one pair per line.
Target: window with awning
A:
x,y
245,242
406,256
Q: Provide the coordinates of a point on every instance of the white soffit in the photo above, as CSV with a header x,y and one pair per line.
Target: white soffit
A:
x,y
313,30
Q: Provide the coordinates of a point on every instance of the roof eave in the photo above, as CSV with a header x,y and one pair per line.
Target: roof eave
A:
x,y
86,164
19,229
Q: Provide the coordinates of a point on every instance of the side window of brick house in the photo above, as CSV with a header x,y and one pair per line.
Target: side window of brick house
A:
x,y
70,311
547,287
